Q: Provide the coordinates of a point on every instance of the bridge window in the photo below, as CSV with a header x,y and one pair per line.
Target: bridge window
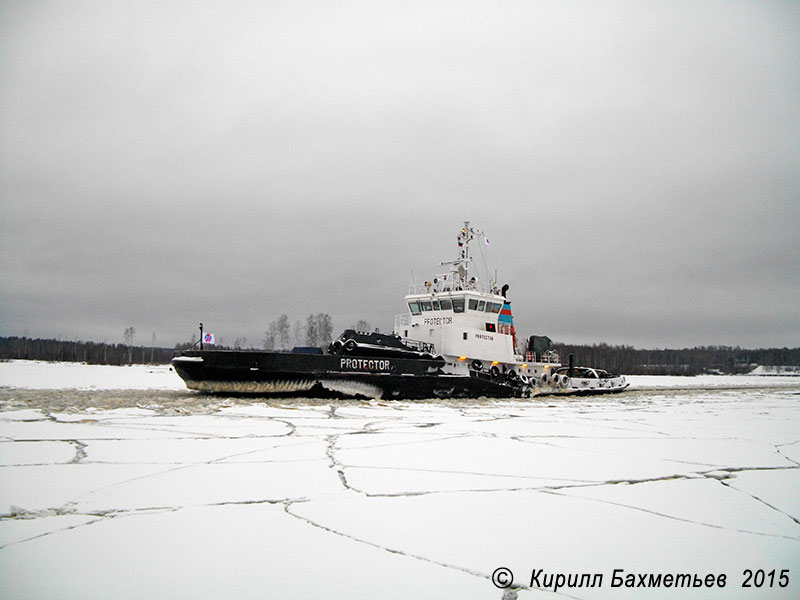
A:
x,y
473,304
414,308
496,306
481,305
458,305
426,306
436,305
446,304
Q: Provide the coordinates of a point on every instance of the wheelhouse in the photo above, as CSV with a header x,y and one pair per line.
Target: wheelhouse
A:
x,y
465,319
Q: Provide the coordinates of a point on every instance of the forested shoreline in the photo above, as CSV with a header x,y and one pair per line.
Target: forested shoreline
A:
x,y
725,360
620,359
95,353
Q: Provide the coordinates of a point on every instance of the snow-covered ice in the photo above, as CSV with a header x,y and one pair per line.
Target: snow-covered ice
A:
x,y
40,375
117,482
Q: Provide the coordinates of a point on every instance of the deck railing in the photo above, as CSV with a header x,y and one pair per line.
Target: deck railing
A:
x,y
548,357
453,286
421,346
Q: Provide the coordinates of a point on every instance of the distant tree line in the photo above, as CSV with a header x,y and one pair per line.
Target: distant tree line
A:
x,y
317,331
95,353
688,361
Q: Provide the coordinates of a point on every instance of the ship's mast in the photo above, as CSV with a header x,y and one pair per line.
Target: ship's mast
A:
x,y
460,267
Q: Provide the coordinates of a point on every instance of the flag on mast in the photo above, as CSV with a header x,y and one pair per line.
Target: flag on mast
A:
x,y
208,338
486,239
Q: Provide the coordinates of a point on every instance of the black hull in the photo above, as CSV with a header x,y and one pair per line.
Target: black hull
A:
x,y
332,376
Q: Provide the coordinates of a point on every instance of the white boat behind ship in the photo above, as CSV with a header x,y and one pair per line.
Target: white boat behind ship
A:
x,y
586,380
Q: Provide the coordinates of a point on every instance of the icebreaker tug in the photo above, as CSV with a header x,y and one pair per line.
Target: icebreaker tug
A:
x,y
457,340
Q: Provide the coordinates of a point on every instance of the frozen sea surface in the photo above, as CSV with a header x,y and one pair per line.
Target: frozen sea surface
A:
x,y
117,482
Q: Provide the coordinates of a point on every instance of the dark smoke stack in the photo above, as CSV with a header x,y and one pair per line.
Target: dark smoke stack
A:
x,y
503,290
571,364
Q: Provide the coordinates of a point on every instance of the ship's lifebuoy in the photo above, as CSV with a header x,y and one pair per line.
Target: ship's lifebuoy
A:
x,y
350,345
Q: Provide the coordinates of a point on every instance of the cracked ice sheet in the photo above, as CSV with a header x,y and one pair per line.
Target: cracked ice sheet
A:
x,y
59,487
473,462
33,525
35,453
526,530
705,501
23,415
534,524
222,552
98,487
141,426
791,451
196,485
86,429
306,421
494,454
203,450
202,426
776,488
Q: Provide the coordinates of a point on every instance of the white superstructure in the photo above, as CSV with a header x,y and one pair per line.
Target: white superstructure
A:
x,y
468,321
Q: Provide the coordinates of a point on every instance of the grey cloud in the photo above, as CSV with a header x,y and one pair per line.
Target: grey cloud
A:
x,y
635,166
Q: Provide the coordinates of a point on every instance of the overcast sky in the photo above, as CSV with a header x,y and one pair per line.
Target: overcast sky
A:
x,y
636,165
